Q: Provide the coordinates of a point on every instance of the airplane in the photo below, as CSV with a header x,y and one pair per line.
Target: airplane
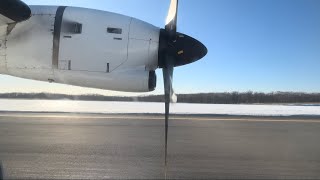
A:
x,y
93,48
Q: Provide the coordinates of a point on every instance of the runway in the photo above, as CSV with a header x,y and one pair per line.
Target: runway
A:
x,y
97,146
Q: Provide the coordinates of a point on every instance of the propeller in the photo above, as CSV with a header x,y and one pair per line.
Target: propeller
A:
x,y
175,49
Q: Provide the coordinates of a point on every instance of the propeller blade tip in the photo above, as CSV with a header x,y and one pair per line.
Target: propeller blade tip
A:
x,y
172,11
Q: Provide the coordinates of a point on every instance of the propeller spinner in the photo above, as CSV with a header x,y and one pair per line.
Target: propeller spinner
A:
x,y
176,49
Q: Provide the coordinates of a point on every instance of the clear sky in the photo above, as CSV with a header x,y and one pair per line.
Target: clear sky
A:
x,y
258,45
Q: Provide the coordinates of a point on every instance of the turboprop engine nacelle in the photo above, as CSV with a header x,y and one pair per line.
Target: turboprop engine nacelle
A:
x,y
81,47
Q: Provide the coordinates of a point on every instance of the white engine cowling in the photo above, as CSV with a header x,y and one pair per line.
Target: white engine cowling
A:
x,y
82,47
127,81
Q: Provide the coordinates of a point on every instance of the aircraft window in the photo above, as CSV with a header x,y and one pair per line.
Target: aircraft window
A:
x,y
114,30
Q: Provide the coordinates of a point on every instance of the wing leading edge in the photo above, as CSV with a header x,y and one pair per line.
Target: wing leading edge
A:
x,y
13,11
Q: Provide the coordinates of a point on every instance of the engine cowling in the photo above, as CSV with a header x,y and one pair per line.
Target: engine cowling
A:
x,y
103,50
127,81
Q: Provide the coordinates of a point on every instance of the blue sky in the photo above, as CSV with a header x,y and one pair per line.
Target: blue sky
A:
x,y
258,45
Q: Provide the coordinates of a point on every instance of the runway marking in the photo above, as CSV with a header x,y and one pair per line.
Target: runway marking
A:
x,y
71,116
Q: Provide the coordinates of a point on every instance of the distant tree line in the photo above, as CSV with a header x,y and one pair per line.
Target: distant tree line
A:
x,y
242,98
208,98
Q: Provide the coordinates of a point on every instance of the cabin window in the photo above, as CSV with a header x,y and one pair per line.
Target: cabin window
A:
x,y
114,30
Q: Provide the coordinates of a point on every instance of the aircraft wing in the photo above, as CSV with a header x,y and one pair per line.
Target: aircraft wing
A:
x,y
13,11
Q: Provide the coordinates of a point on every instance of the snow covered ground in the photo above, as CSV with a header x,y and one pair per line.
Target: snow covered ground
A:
x,y
140,107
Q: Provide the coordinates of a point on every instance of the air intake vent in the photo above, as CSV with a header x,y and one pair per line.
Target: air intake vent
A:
x,y
77,28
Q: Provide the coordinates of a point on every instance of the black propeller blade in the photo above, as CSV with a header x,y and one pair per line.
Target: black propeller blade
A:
x,y
167,78
171,21
168,59
175,49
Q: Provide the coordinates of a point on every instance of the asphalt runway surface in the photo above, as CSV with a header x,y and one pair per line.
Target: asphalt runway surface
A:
x,y
74,146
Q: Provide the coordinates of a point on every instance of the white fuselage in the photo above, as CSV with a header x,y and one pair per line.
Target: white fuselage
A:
x,y
81,47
